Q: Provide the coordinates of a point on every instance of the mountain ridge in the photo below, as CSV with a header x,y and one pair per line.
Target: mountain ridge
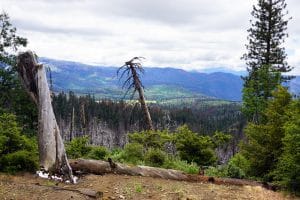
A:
x,y
159,83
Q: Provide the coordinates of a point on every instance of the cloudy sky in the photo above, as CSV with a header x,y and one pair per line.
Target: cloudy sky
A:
x,y
187,34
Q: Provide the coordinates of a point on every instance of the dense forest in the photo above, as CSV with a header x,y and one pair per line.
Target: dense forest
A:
x,y
112,120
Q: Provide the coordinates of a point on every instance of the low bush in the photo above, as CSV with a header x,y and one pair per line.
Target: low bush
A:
x,y
116,154
235,171
151,139
194,148
98,152
238,166
78,147
133,153
238,160
219,171
17,152
155,157
175,163
19,161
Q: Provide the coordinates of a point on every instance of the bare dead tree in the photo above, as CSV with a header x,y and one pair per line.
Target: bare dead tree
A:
x,y
72,125
52,154
131,70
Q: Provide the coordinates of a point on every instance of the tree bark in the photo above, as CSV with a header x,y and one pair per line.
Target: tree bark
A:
x,y
139,88
100,167
52,153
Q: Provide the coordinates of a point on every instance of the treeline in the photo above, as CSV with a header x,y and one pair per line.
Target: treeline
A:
x,y
78,112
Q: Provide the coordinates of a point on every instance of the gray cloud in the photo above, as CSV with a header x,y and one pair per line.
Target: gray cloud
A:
x,y
44,28
188,34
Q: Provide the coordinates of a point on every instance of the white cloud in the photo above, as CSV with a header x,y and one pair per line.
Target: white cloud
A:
x,y
188,34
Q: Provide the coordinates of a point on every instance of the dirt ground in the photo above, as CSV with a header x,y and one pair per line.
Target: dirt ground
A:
x,y
31,187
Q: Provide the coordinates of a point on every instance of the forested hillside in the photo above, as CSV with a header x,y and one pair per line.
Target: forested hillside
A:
x,y
63,119
108,121
160,83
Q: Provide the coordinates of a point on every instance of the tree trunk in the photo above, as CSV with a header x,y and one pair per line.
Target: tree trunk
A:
x,y
72,127
142,99
103,167
51,147
100,167
145,108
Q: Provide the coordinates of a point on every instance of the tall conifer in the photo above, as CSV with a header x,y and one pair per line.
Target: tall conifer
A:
x,y
265,52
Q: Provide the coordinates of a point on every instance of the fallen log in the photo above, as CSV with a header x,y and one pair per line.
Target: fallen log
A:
x,y
84,191
100,167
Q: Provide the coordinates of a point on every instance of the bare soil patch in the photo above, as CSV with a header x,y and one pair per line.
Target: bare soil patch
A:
x,y
31,187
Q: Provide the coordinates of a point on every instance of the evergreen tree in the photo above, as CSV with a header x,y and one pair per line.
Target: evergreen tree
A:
x,y
264,141
9,41
287,173
266,36
12,96
257,92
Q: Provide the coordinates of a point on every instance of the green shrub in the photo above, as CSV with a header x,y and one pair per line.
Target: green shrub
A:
x,y
78,147
287,171
98,152
117,154
238,160
151,139
220,139
220,171
19,161
194,148
17,152
133,153
155,157
235,172
172,162
237,167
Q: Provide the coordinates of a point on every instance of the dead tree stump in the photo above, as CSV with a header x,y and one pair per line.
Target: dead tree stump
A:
x,y
52,153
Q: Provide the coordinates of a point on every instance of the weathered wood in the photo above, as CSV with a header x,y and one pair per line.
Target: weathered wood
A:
x,y
132,67
51,147
100,167
103,167
84,191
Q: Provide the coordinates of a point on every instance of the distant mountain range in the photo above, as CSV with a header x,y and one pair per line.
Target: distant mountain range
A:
x,y
160,83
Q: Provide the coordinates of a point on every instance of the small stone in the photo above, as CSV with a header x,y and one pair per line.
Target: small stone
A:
x,y
121,197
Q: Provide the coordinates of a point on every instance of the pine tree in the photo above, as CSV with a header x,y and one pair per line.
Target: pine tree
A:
x,y
287,172
264,141
9,41
266,36
12,96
